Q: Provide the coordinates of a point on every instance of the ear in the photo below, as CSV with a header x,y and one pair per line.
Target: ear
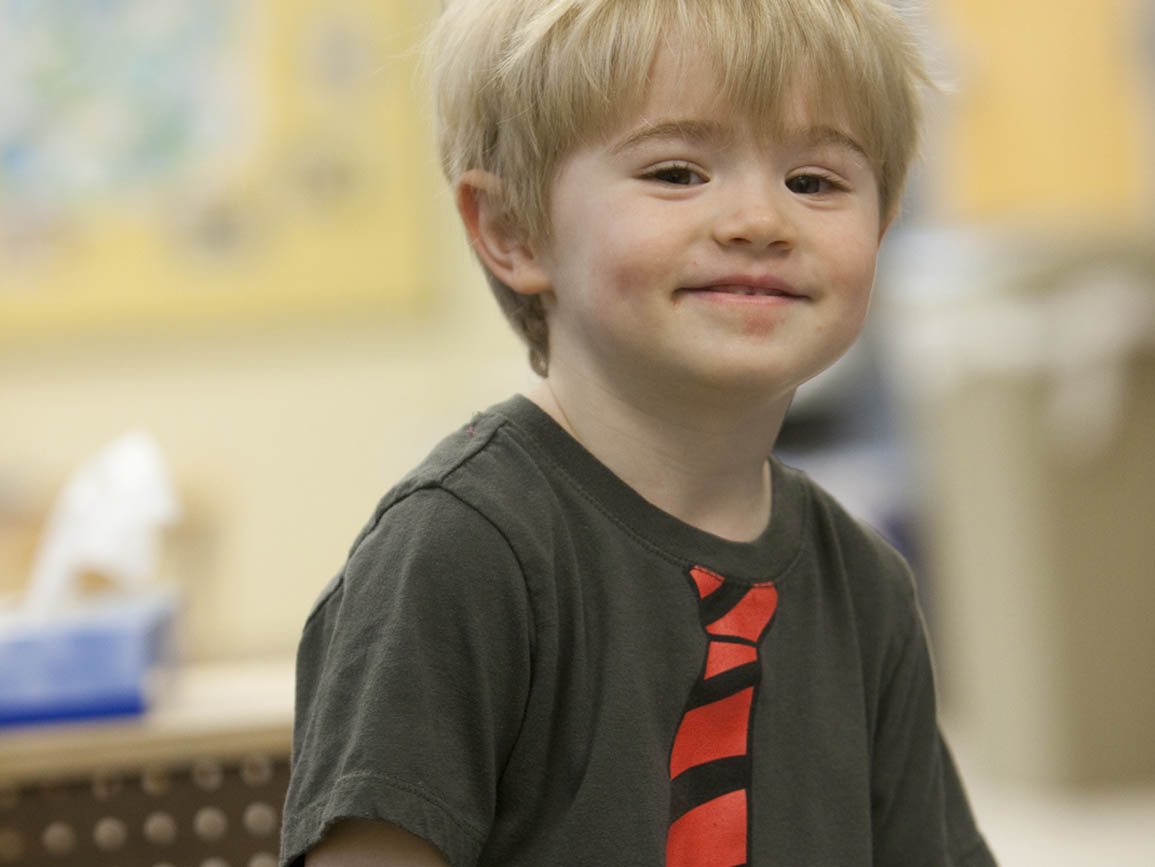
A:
x,y
503,250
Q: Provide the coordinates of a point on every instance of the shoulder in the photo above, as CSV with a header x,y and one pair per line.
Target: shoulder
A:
x,y
427,550
866,592
455,524
834,533
490,465
852,561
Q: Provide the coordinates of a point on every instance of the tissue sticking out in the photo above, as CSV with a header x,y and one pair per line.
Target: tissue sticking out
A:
x,y
108,520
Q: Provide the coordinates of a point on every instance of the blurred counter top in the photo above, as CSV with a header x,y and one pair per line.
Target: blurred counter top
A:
x,y
223,709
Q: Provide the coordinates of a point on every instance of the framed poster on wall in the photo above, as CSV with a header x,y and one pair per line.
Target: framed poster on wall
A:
x,y
173,162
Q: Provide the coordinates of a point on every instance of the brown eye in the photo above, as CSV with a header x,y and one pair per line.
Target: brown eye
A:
x,y
682,176
806,185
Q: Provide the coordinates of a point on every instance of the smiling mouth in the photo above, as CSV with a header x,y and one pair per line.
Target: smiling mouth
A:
x,y
746,285
746,291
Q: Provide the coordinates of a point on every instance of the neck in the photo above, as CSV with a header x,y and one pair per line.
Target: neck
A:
x,y
705,465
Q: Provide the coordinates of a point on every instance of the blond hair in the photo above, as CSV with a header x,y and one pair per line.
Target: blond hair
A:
x,y
519,84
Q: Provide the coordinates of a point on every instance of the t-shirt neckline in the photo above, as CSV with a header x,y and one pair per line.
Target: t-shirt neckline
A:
x,y
767,558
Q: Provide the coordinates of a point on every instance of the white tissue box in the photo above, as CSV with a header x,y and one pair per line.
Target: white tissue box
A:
x,y
97,660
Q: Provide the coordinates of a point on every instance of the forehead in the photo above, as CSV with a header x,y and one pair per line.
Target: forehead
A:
x,y
683,99
683,77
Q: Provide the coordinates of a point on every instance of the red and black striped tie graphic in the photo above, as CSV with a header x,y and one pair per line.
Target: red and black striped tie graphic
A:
x,y
710,761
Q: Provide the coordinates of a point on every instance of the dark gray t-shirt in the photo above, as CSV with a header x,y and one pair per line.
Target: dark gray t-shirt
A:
x,y
527,664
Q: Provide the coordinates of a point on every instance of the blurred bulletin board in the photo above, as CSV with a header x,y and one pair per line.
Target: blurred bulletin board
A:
x,y
167,162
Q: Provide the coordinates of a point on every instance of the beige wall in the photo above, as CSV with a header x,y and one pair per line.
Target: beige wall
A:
x,y
280,442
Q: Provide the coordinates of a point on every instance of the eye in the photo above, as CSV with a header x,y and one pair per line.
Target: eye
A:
x,y
677,174
811,184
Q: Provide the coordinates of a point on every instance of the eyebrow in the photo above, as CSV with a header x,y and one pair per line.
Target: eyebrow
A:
x,y
699,131
817,136
710,132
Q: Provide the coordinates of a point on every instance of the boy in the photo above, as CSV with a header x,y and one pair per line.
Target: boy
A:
x,y
600,625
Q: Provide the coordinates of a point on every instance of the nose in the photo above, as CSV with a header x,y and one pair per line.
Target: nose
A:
x,y
755,217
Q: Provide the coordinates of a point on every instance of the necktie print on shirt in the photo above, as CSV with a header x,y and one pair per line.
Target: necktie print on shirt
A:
x,y
710,762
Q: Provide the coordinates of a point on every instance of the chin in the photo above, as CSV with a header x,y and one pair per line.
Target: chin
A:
x,y
747,383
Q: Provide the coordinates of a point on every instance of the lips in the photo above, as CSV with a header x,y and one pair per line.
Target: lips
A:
x,y
748,286
747,290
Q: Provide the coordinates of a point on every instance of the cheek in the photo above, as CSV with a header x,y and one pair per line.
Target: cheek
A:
x,y
854,262
852,272
628,262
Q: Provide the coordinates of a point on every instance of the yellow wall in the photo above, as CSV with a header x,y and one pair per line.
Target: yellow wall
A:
x,y
1049,123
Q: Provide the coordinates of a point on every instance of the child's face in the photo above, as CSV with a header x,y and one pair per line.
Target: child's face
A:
x,y
687,249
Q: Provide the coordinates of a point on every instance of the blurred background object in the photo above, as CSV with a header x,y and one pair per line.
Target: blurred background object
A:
x,y
1031,402
223,221
1036,452
92,633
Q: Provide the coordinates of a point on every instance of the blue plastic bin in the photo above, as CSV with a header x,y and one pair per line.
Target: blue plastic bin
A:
x,y
99,660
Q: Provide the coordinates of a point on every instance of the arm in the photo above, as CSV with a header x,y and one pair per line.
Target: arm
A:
x,y
360,843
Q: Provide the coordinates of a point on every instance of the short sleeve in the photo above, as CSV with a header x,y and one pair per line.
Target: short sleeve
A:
x,y
412,677
920,810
